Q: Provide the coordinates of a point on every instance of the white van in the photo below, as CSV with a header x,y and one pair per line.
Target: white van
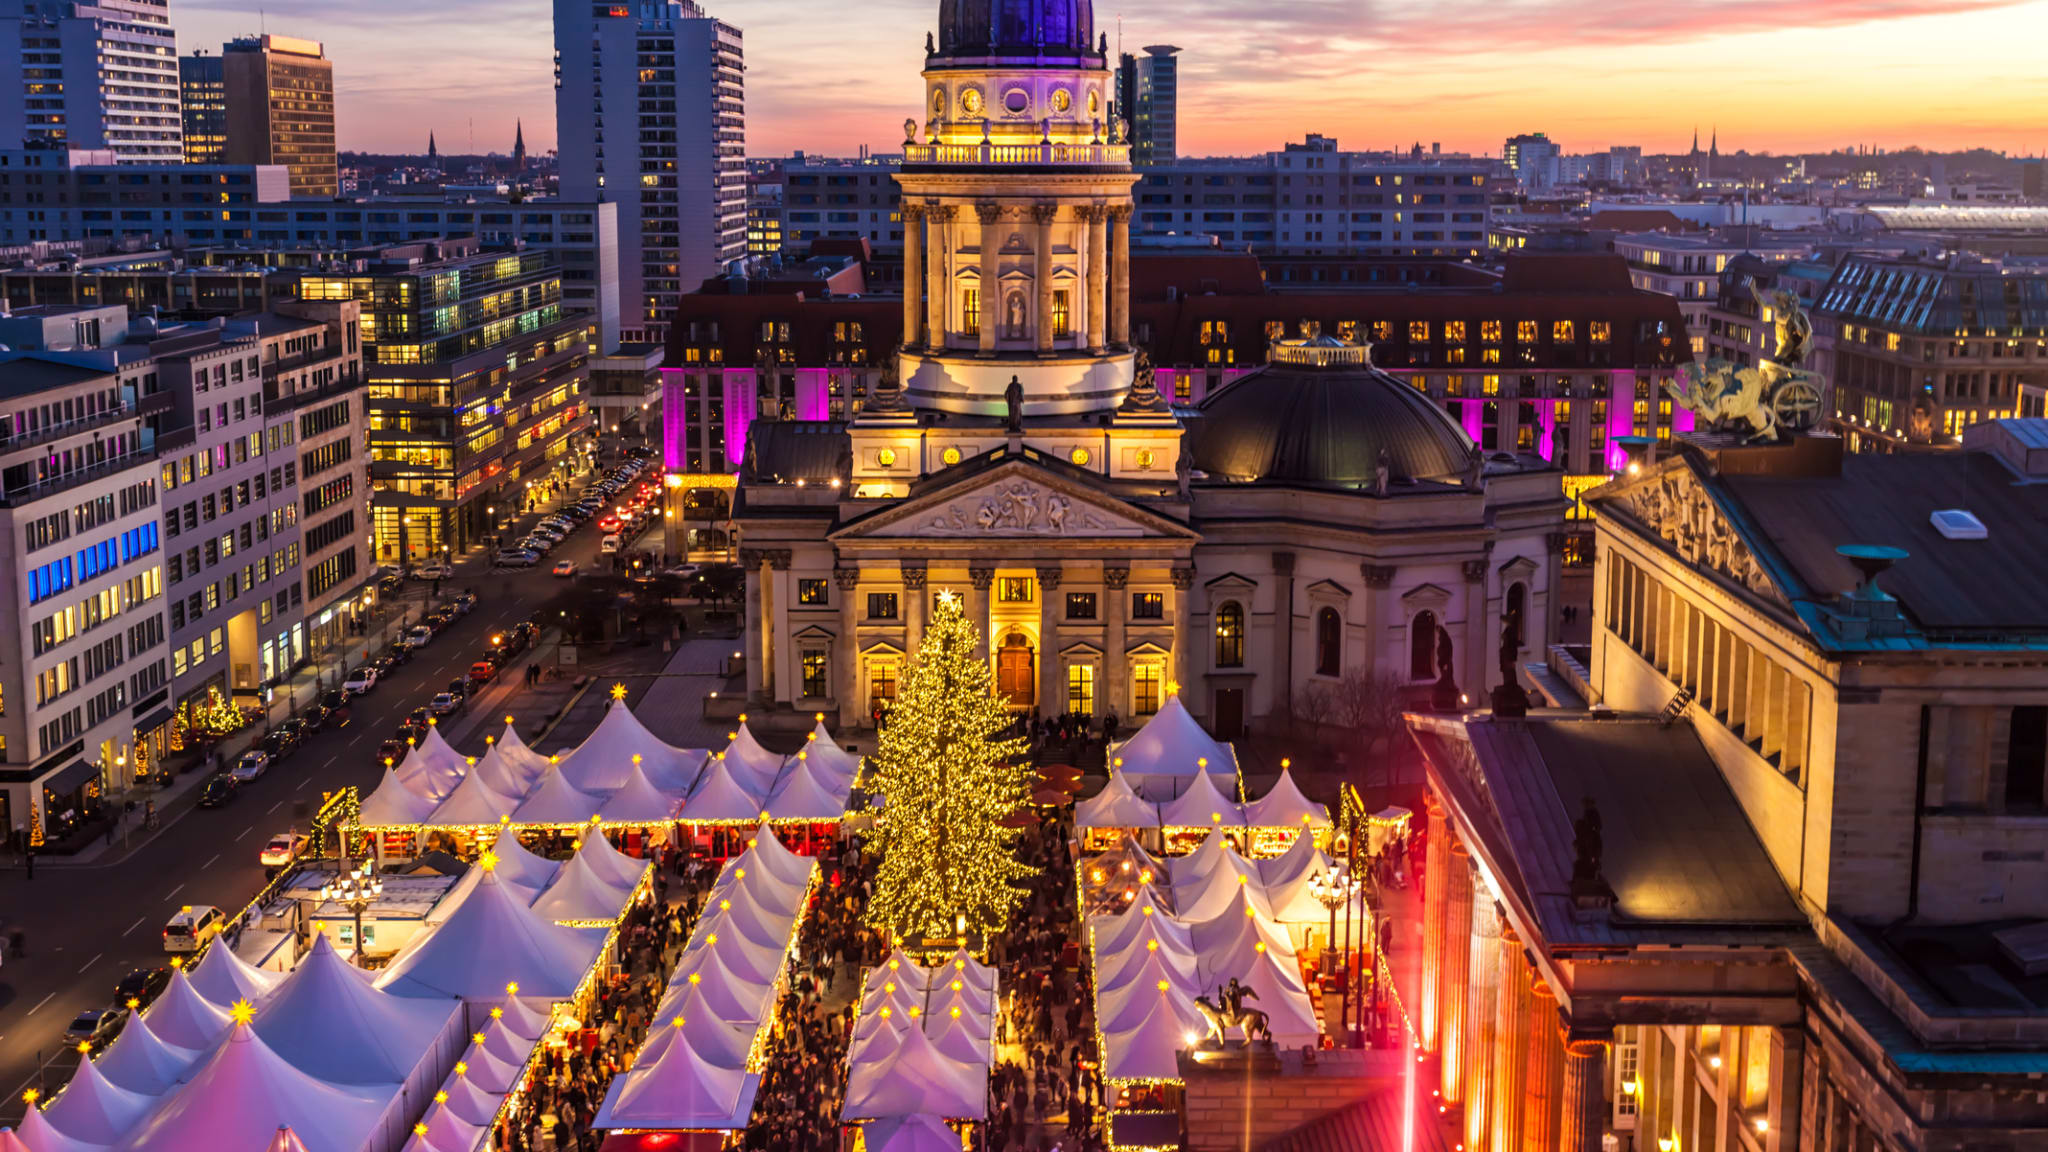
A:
x,y
608,545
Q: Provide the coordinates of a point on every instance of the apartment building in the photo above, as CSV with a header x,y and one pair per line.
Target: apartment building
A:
x,y
72,194
280,109
101,75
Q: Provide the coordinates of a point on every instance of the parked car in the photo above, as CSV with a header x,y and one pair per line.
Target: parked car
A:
x,y
191,927
335,701
360,681
420,635
464,604
445,704
565,568
317,716
515,558
410,734
482,671
418,716
252,763
276,746
390,585
609,545
538,545
432,572
93,1027
141,985
282,848
391,751
219,790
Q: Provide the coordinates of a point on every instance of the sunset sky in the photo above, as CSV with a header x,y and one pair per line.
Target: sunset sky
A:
x,y
1771,75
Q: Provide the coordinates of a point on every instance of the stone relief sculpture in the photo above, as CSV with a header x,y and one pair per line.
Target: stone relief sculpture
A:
x,y
1019,509
1675,506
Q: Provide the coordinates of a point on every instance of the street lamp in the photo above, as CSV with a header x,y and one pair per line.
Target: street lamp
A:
x,y
1330,889
355,892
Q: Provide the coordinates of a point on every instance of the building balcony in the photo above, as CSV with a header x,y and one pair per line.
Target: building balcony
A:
x,y
1041,155
15,496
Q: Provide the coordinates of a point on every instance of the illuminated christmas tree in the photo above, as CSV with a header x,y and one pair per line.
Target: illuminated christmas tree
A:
x,y
947,783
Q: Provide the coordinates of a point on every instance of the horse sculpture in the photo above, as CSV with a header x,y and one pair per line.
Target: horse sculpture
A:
x,y
1227,1011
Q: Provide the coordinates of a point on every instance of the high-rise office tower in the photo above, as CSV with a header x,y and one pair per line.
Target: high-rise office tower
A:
x,y
280,109
650,112
91,74
203,104
1147,92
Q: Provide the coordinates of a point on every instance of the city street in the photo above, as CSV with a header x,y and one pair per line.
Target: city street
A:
x,y
88,925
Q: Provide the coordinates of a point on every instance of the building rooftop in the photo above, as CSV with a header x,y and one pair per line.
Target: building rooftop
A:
x,y
28,374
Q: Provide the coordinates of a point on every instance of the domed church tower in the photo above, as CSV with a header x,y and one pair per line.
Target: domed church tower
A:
x,y
1016,217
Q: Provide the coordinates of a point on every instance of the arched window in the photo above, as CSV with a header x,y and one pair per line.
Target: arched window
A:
x,y
1422,647
1329,643
1230,635
1517,611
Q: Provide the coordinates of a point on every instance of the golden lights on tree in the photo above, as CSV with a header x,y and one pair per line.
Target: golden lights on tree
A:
x,y
947,783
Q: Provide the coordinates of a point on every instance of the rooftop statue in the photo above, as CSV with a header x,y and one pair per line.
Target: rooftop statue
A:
x,y
1775,396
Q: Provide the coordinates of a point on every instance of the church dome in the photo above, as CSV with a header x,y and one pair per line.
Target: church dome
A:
x,y
1319,415
978,28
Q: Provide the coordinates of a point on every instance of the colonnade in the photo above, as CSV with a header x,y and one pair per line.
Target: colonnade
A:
x,y
1104,255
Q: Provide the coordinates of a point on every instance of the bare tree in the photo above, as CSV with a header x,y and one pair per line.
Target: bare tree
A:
x,y
1362,709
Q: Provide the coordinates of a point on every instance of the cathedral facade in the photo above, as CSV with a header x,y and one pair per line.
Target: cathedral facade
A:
x,y
1316,519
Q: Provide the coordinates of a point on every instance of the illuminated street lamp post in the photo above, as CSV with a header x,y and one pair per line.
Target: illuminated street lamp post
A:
x,y
356,893
1330,888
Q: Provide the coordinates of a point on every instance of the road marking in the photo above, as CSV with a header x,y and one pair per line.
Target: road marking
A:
x,y
209,862
174,891
89,963
302,784
238,839
137,924
274,807
39,1004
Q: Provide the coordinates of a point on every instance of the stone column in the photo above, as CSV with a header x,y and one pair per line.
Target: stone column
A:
x,y
1041,272
1482,1025
991,288
1051,700
1115,577
1378,578
1454,988
1436,907
1546,1070
1186,665
937,284
1788,1073
1096,216
979,577
1584,1115
913,274
846,653
756,568
783,667
913,605
1120,275
1479,647
1511,1046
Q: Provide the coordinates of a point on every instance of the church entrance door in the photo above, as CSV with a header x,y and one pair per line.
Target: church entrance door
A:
x,y
1016,671
1229,713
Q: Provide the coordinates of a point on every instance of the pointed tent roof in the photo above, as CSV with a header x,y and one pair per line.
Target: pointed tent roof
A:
x,y
602,761
1164,754
919,1133
1114,933
608,862
579,893
1231,941
332,1025
490,940
524,1020
1283,806
286,1140
1301,860
9,1142
516,754
1149,1049
810,791
472,804
93,1109
500,1041
520,865
502,776
448,1132
715,994
965,1039
488,1071
245,1091
432,766
1118,805
471,1102
756,766
1160,949
753,965
897,967
556,801
721,1043
963,965
721,793
223,978
749,880
395,803
140,1061
822,752
184,1018
1219,892
37,1133
918,1078
639,801
745,922
790,867
1121,1001
1201,805
680,1088
1214,852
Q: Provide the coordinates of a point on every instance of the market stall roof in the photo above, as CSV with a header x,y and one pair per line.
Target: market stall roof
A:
x,y
471,1102
810,791
184,1018
140,1061
723,793
1125,1002
1201,805
963,964
93,1109
489,1072
726,992
916,1078
751,880
516,754
790,867
434,766
472,804
1160,1020
1115,932
756,766
243,1092
743,921
608,861
37,1134
602,762
1118,805
9,1142
521,1016
919,1133
1209,896
825,753
395,803
520,865
448,1132
578,892
1161,949
286,1140
558,802
1283,806
332,1025
679,1089
1162,757
1213,853
502,776
223,978
722,1043
639,801
491,939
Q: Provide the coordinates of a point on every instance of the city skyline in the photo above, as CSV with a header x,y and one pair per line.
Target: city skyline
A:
x,y
1825,76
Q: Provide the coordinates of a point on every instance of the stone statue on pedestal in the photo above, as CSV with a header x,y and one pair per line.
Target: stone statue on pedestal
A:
x,y
1013,402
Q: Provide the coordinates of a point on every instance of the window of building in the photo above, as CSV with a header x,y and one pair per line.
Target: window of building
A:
x,y
2026,758
1014,590
881,605
817,673
1080,605
1230,635
970,311
1145,681
1422,647
881,683
1081,689
1516,612
1329,643
1061,314
812,592
1148,605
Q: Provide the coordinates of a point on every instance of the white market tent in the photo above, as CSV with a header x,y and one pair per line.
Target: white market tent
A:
x,y
93,1110
679,1089
610,864
1118,805
912,1079
922,1040
469,1101
490,940
223,978
755,766
1201,805
1215,853
472,803
1209,896
509,747
602,762
920,1133
433,767
638,801
580,893
184,1018
332,1025
245,1091
1283,806
723,795
519,865
829,756
809,791
556,802
395,803
1163,757
36,1133
140,1061
501,775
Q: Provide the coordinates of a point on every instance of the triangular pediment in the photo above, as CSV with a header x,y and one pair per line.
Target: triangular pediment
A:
x,y
1016,499
1672,504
